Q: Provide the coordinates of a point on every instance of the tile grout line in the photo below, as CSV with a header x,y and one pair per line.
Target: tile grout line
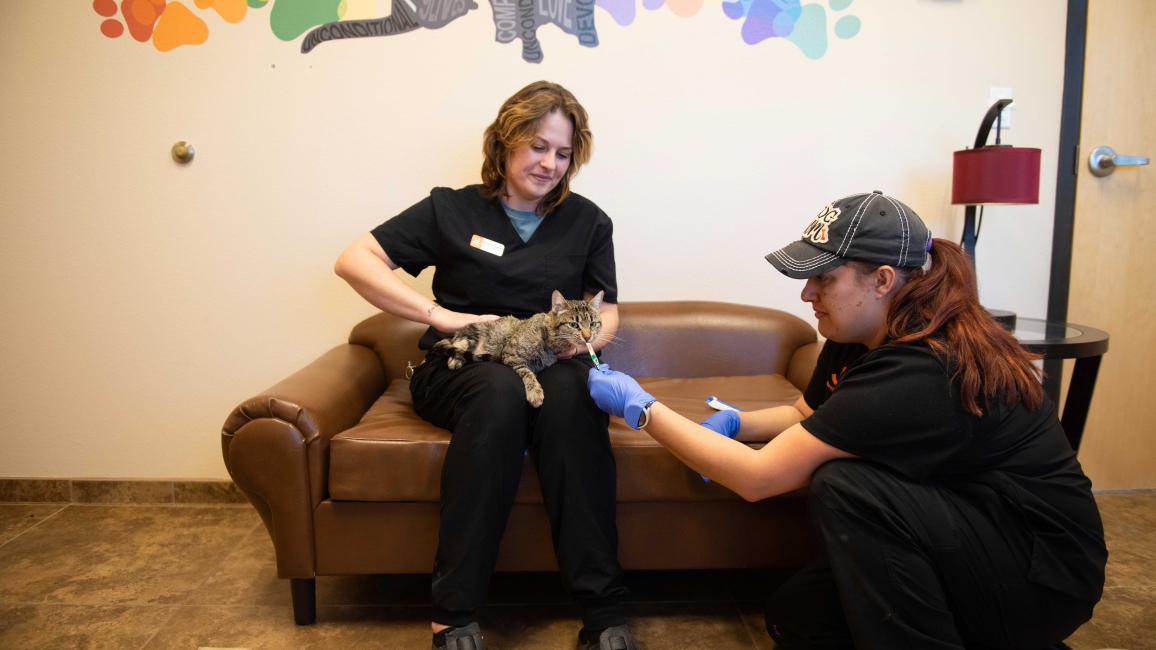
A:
x,y
747,628
232,551
176,610
35,525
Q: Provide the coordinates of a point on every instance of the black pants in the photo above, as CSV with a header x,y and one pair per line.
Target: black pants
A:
x,y
911,565
484,405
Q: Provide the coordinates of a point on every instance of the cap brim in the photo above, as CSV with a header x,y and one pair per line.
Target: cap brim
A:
x,y
800,260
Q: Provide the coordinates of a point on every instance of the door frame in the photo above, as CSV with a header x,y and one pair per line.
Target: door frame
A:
x,y
1067,167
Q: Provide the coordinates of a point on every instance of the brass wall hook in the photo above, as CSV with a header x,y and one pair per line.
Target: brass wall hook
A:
x,y
183,152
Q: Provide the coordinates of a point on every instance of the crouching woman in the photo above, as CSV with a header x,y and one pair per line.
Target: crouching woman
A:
x,y
951,508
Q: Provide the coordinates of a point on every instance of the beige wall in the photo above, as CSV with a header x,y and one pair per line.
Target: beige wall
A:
x,y
143,300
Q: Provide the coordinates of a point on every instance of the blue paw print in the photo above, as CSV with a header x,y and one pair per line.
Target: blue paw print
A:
x,y
803,25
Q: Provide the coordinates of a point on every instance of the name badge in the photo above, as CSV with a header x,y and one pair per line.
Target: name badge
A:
x,y
490,246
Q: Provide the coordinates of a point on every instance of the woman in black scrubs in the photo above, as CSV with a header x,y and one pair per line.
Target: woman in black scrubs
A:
x,y
500,248
952,510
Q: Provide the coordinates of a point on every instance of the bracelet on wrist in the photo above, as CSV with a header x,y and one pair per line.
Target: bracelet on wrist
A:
x,y
644,418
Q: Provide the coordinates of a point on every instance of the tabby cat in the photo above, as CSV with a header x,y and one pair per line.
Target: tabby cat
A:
x,y
527,345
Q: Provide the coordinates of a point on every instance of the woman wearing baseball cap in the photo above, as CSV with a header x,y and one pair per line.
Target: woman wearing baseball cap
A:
x,y
952,510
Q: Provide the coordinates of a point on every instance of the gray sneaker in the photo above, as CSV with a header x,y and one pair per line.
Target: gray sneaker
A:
x,y
612,638
467,637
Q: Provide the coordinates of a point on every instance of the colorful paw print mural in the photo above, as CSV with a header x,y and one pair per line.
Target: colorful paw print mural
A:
x,y
623,11
170,24
803,25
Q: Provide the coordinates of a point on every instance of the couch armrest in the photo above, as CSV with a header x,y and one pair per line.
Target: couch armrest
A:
x,y
802,364
276,444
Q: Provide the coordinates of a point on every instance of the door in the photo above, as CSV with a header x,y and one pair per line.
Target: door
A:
x,y
1113,273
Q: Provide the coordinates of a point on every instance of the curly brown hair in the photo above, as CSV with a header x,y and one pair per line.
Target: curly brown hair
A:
x,y
516,125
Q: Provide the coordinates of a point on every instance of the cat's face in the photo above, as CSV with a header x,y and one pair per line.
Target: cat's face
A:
x,y
574,322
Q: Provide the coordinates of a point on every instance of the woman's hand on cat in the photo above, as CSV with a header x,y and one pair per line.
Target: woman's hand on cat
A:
x,y
448,322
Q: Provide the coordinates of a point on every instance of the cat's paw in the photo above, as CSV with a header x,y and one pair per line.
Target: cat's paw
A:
x,y
535,396
454,363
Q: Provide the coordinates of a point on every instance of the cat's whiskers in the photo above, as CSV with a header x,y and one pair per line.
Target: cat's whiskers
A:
x,y
614,340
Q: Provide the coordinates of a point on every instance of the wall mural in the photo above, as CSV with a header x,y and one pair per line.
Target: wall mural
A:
x,y
172,24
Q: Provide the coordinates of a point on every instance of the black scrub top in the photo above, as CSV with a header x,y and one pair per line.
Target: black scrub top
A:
x,y
481,264
898,406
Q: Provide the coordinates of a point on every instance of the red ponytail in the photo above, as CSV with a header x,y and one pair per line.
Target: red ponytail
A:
x,y
941,307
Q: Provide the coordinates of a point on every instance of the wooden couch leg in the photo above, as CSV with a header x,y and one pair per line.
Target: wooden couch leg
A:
x,y
304,600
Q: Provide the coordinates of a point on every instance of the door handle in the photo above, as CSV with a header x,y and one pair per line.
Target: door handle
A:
x,y
1104,161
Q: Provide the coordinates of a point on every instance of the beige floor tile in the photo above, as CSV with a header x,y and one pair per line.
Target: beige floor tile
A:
x,y
72,626
113,576
339,628
1125,618
690,626
120,555
686,626
18,518
518,627
1129,524
752,614
248,576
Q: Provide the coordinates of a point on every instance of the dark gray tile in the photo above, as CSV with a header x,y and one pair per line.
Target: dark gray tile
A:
x,y
757,585
34,490
120,555
207,492
15,518
525,589
678,586
70,626
122,492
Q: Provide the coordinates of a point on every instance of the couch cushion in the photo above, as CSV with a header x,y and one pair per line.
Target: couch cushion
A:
x,y
394,455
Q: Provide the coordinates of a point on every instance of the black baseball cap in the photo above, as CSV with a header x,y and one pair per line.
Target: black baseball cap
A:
x,y
870,227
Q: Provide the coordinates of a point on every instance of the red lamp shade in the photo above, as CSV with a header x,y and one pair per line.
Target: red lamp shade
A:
x,y
995,175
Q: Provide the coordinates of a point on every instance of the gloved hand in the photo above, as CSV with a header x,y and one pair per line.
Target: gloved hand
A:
x,y
618,394
724,422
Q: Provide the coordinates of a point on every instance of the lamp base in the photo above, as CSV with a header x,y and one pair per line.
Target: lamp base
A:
x,y
1005,318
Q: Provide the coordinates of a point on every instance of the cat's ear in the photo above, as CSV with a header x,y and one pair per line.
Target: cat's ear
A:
x,y
596,301
557,301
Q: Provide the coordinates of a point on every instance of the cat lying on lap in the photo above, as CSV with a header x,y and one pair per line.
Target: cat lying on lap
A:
x,y
527,345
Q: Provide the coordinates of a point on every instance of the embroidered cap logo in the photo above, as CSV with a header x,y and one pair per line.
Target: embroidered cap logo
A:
x,y
817,230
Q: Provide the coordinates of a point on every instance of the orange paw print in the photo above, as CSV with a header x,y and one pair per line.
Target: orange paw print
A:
x,y
168,24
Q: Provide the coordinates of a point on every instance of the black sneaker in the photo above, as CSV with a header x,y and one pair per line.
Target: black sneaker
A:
x,y
612,638
467,637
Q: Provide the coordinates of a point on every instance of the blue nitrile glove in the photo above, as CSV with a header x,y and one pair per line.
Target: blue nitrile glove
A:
x,y
618,394
725,422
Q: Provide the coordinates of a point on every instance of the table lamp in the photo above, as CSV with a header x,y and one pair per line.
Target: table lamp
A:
x,y
992,174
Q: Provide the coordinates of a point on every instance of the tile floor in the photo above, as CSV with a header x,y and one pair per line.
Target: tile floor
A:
x,y
180,576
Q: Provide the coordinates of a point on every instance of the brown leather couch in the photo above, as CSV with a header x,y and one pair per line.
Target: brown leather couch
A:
x,y
345,475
